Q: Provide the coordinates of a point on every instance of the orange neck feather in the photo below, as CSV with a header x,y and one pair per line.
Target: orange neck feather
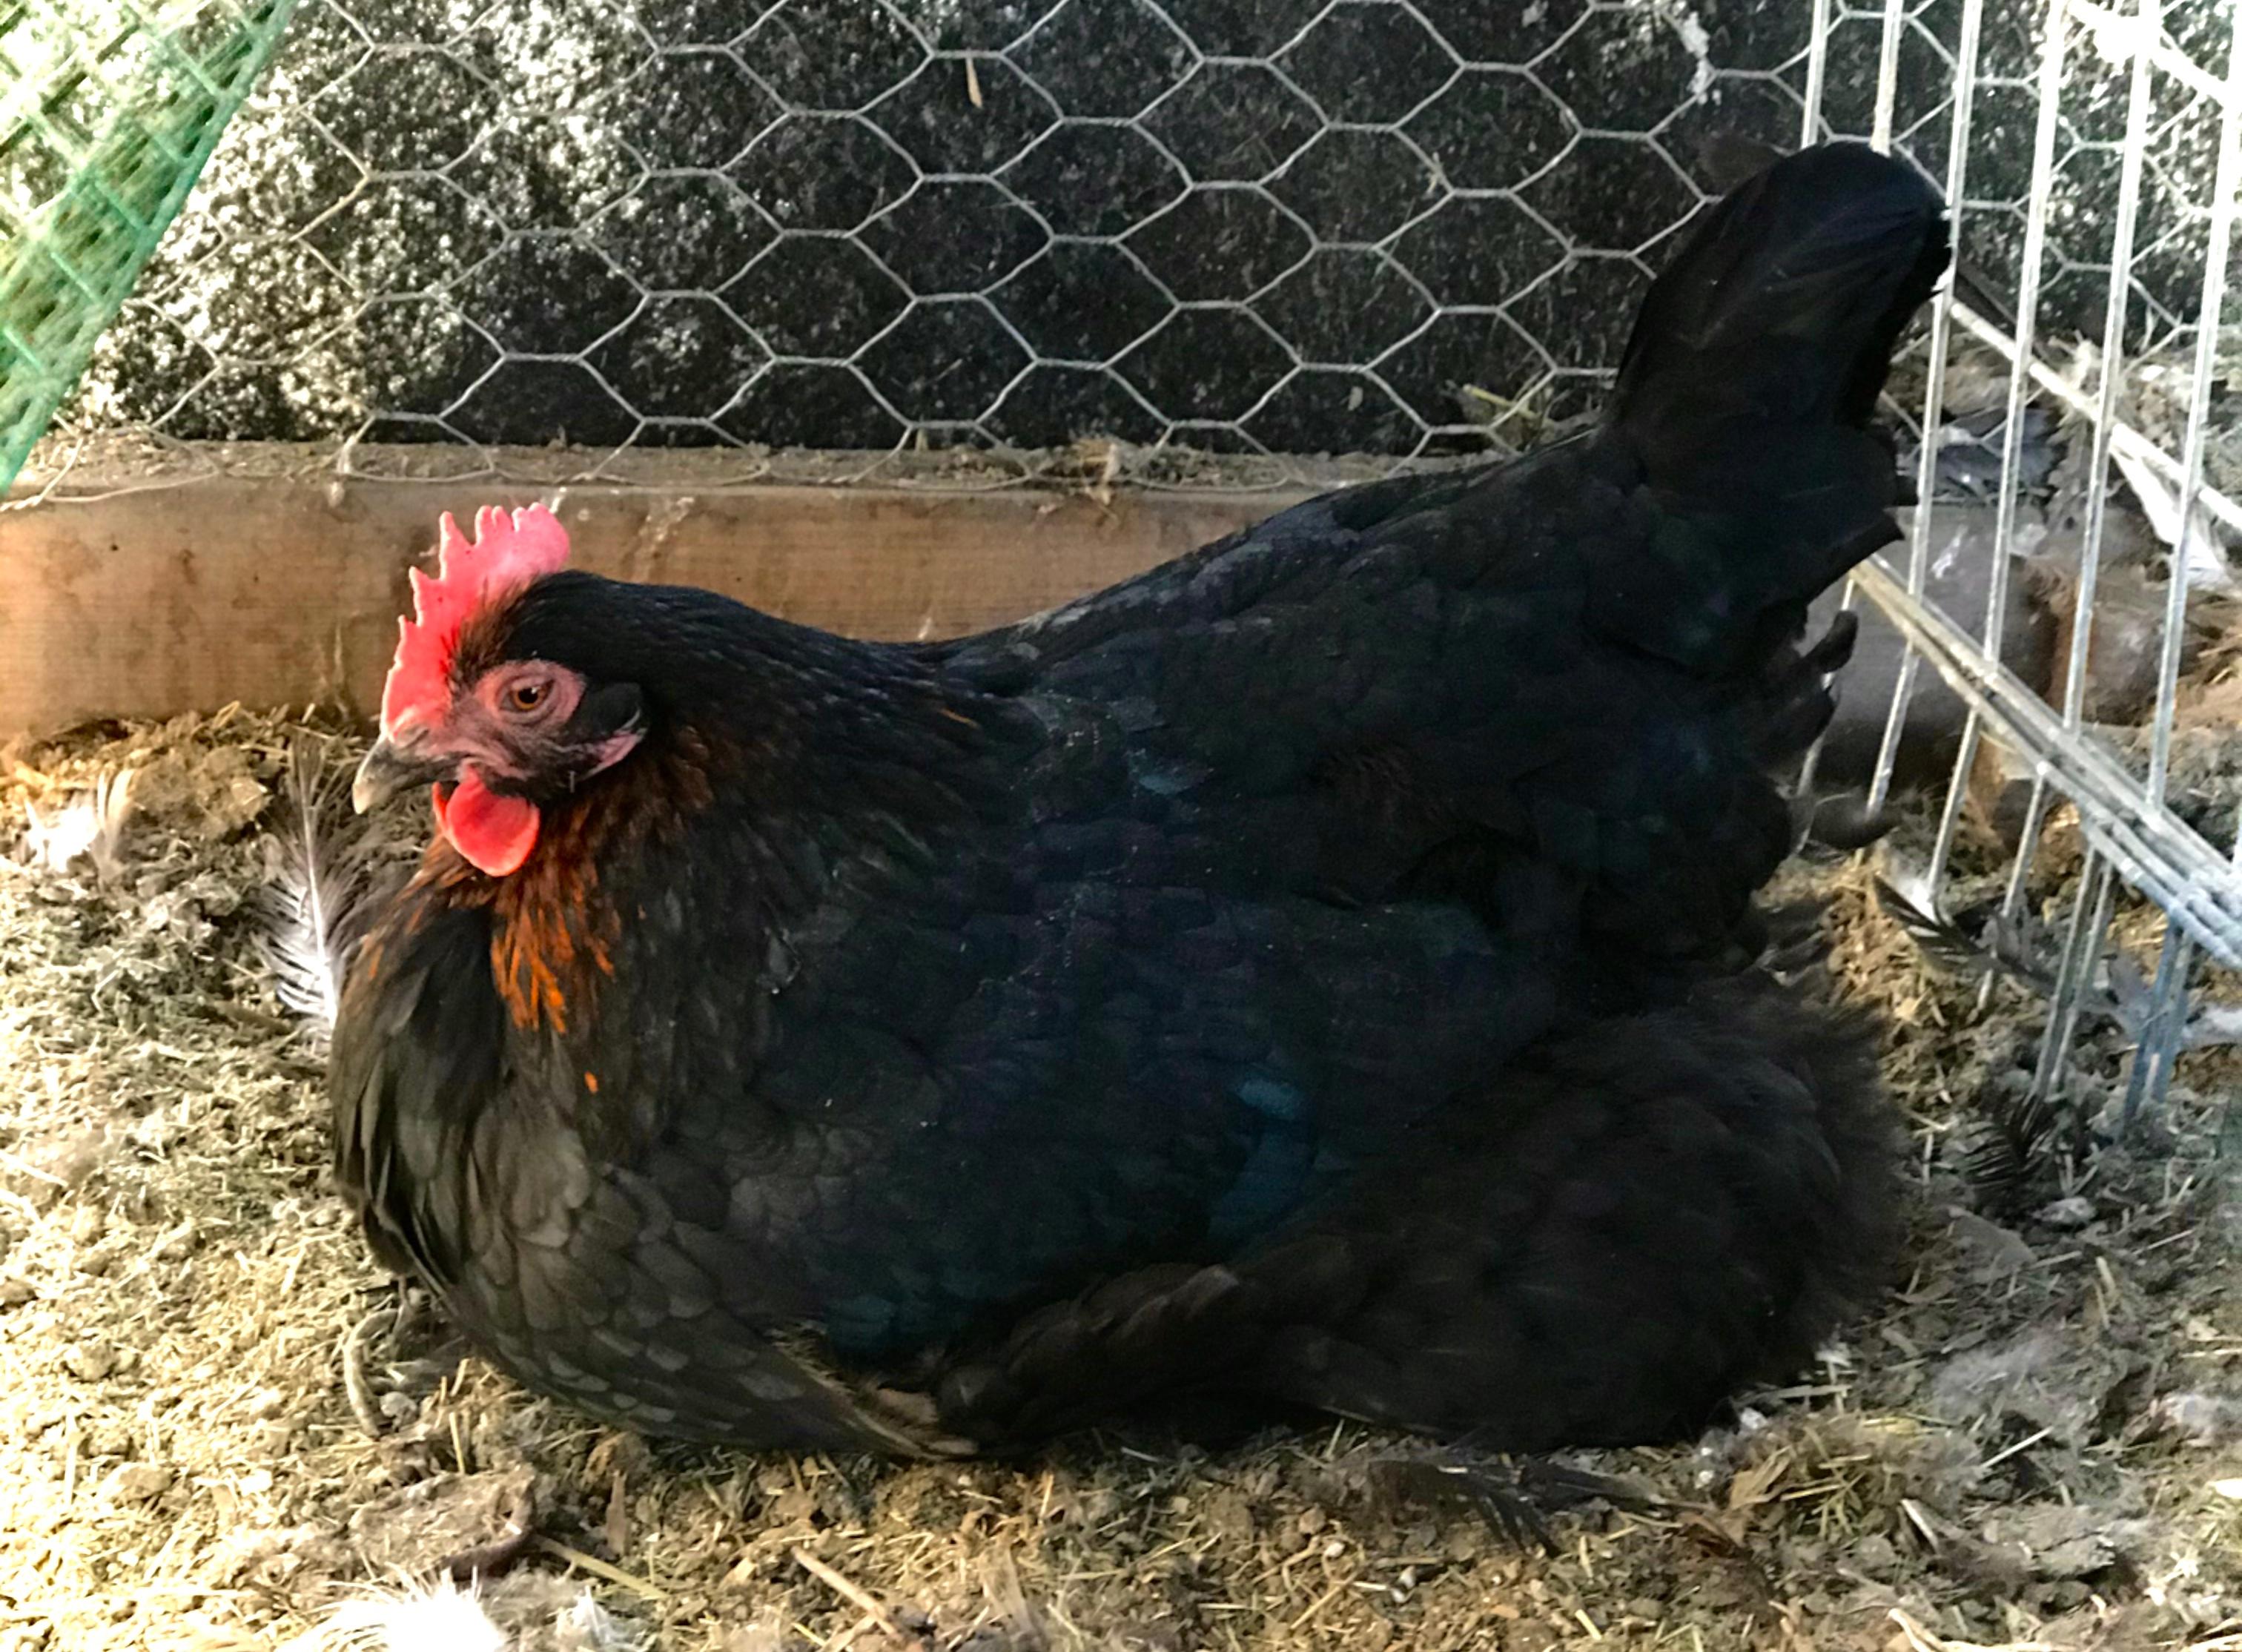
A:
x,y
552,930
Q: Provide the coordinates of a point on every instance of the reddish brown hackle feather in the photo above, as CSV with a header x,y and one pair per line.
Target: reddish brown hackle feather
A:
x,y
554,928
505,554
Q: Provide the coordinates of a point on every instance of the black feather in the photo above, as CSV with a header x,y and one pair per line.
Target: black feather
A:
x,y
2004,948
1746,393
2011,1147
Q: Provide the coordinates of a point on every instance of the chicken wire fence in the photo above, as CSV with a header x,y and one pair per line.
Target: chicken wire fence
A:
x,y
964,243
1217,233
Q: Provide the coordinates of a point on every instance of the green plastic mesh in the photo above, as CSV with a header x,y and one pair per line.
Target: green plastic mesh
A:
x,y
108,110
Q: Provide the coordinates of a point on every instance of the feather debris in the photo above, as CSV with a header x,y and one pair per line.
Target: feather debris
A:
x,y
90,824
2117,992
2003,949
2018,1135
2133,1005
439,1617
442,1615
325,870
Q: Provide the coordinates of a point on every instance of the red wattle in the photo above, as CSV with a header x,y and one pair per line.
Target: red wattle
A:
x,y
495,833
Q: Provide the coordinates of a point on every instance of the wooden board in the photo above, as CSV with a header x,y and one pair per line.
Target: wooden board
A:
x,y
287,591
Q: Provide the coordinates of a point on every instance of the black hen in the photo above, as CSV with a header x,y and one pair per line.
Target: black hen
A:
x,y
1316,970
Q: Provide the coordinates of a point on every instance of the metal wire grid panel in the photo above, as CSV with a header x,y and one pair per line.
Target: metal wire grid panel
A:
x,y
1246,228
2161,115
107,114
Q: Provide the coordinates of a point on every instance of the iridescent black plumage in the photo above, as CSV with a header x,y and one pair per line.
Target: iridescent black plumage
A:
x,y
1319,969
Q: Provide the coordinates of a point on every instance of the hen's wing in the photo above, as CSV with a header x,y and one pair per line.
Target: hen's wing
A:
x,y
1025,1051
1581,656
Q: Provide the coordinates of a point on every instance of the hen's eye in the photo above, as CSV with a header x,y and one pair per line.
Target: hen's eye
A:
x,y
527,696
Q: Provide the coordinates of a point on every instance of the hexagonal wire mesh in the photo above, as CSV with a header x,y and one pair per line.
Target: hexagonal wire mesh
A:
x,y
1247,229
934,241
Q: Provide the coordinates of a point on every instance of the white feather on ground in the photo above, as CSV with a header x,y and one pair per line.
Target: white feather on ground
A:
x,y
437,1618
327,868
91,823
548,1614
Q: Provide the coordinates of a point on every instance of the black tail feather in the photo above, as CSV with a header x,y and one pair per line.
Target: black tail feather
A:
x,y
1783,305
1744,401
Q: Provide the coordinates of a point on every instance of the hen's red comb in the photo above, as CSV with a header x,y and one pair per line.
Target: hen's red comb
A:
x,y
505,554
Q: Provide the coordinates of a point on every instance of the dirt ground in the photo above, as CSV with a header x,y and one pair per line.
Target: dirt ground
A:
x,y
2037,1443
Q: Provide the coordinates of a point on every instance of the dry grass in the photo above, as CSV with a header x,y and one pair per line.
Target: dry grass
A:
x,y
2025,1449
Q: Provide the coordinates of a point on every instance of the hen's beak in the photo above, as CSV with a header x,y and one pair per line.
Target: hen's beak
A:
x,y
392,766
